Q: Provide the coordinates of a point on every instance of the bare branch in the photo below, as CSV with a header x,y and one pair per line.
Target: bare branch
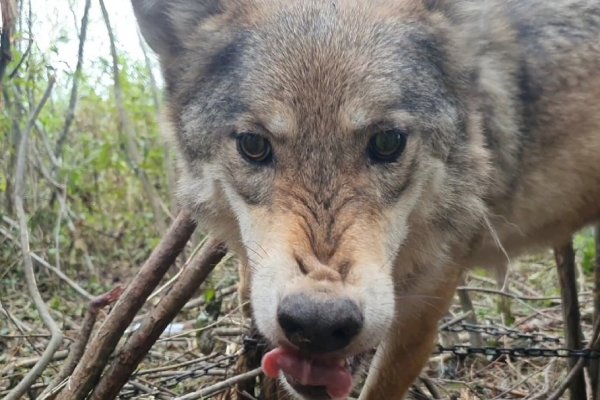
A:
x,y
96,357
138,345
61,275
576,369
19,192
221,386
77,348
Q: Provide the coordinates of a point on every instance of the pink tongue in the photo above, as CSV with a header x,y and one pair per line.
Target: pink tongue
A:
x,y
309,372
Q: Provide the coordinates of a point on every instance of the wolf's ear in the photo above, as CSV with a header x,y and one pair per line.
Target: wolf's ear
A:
x,y
165,23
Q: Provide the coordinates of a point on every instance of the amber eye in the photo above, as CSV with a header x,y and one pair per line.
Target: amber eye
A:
x,y
386,146
254,148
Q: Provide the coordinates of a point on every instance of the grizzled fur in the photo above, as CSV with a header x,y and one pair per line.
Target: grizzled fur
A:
x,y
501,103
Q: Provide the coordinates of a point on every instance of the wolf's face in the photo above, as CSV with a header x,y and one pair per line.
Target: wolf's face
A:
x,y
319,138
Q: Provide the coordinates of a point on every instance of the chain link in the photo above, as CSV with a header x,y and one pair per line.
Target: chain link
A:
x,y
515,352
257,343
534,338
498,331
205,368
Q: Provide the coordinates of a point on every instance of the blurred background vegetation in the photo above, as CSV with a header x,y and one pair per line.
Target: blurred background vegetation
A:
x,y
98,184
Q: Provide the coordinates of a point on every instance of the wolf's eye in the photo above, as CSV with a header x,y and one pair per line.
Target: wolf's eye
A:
x,y
386,146
254,148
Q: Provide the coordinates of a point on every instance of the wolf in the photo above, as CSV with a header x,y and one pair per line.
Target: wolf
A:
x,y
360,155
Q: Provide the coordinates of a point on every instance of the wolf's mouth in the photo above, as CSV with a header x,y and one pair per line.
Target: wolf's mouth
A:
x,y
313,377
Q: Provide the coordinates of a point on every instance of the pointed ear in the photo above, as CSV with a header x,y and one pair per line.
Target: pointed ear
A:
x,y
165,23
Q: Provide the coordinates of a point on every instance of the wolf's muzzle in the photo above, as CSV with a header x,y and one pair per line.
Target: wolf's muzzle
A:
x,y
319,326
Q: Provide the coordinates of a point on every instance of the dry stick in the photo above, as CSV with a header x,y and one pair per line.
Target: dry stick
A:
x,y
506,294
20,184
78,347
96,357
219,387
565,263
55,270
152,195
31,361
578,367
431,387
157,320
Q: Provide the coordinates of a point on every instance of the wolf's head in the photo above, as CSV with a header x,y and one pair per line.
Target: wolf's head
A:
x,y
336,148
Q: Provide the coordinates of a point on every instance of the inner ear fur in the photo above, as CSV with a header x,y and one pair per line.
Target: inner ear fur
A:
x,y
166,23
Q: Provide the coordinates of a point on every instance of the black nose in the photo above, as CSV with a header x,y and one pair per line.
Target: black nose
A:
x,y
319,326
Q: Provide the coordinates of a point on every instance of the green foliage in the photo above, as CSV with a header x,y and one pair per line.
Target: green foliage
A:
x,y
105,219
585,246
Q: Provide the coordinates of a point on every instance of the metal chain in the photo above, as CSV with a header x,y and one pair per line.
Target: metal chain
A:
x,y
514,352
498,331
255,342
217,362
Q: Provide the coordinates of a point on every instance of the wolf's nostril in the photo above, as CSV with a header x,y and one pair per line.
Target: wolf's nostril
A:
x,y
288,325
340,333
319,326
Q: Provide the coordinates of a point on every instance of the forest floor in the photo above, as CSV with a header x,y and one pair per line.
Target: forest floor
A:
x,y
201,346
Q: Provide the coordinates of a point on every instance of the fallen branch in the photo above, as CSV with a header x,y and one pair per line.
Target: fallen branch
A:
x,y
45,264
157,320
506,294
576,369
19,193
91,365
31,361
77,348
221,386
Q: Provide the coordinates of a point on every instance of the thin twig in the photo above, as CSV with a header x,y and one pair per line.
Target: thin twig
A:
x,y
77,348
506,294
19,192
556,395
31,361
98,352
157,320
56,271
431,387
221,386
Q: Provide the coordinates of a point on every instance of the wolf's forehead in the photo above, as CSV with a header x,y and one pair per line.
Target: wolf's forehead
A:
x,y
319,66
